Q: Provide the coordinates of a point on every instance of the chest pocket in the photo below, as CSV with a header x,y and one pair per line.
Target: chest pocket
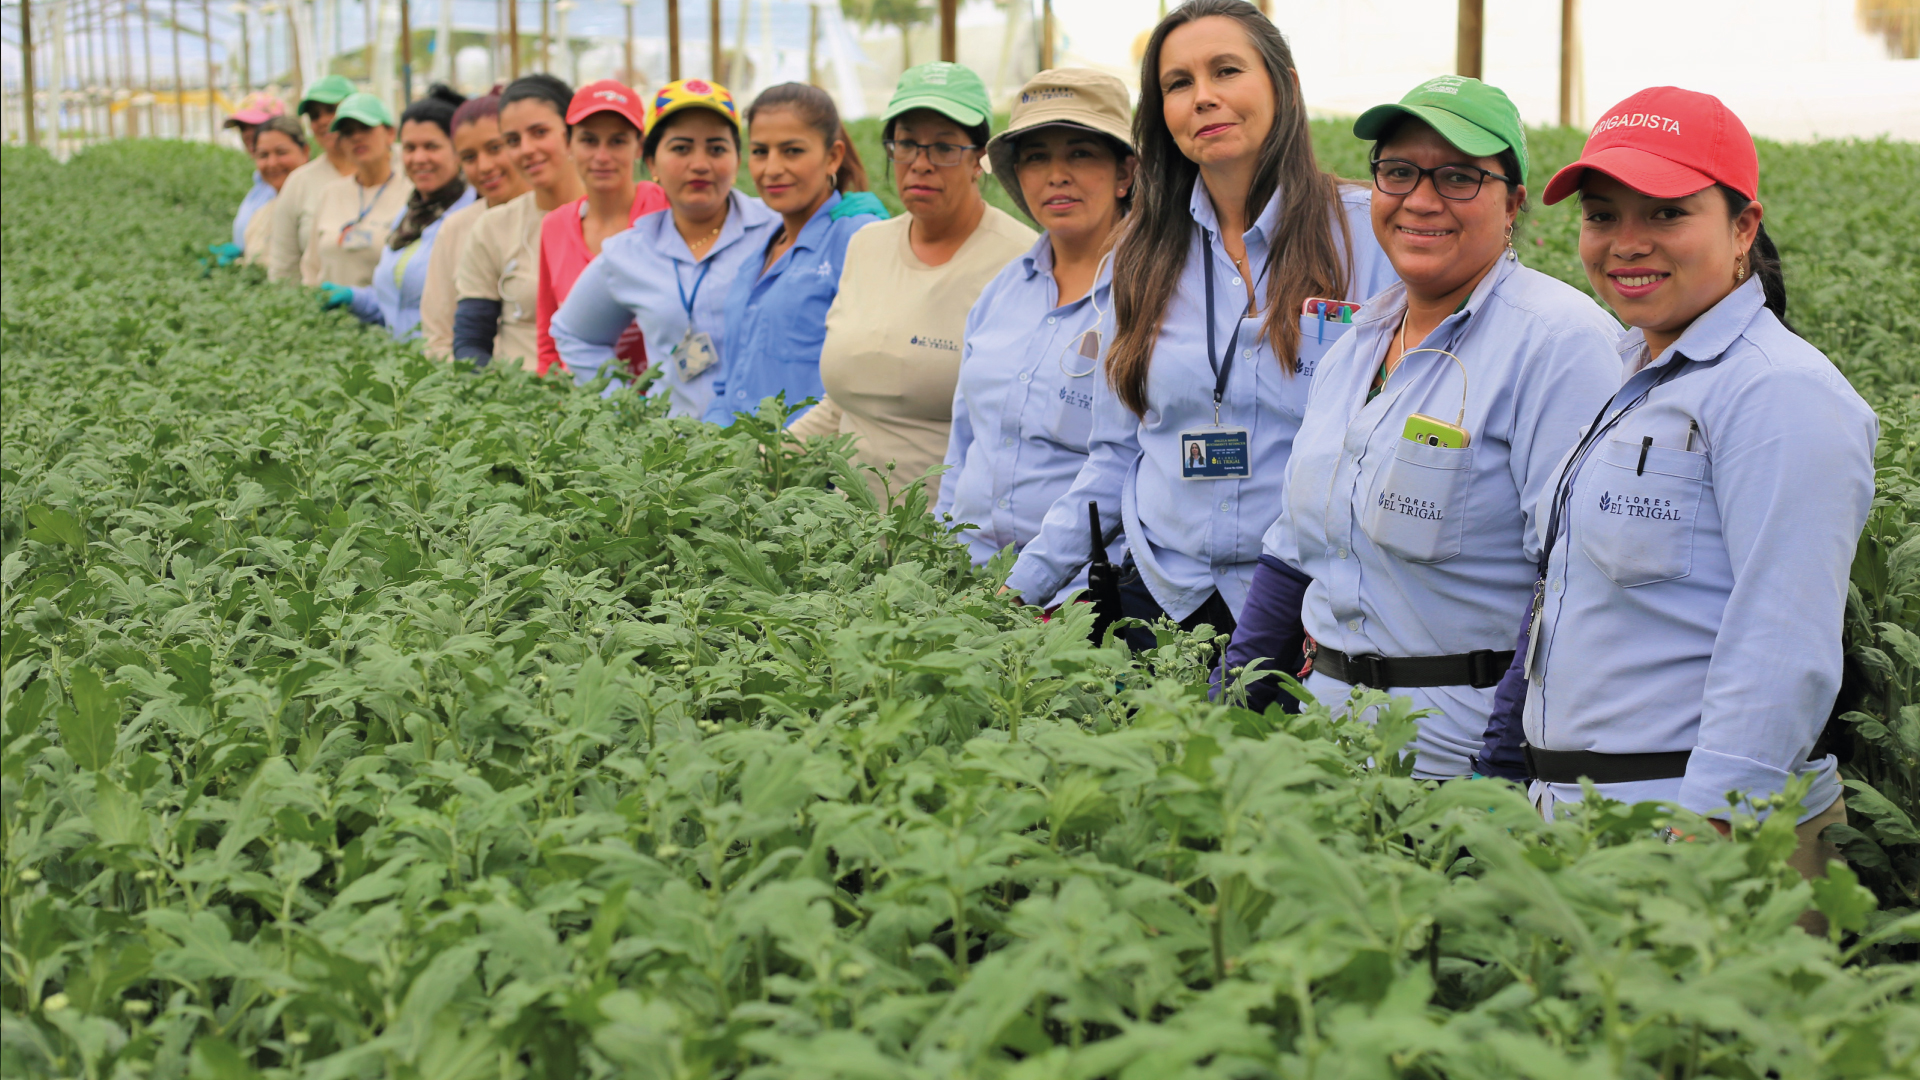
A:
x,y
1316,338
1416,505
1070,411
797,308
1637,525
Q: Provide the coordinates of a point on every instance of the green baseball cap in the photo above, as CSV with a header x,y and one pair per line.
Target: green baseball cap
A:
x,y
331,90
1476,118
365,108
949,89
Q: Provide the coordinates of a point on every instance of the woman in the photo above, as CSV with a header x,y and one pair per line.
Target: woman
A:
x,y
1236,228
293,208
892,352
355,214
498,281
482,151
1024,406
806,170
426,153
256,110
669,273
1433,429
604,125
1700,536
279,149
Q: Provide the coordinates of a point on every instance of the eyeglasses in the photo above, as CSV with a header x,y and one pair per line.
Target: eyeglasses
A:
x,y
945,155
1461,183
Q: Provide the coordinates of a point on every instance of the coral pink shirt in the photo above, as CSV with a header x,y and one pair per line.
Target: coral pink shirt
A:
x,y
564,254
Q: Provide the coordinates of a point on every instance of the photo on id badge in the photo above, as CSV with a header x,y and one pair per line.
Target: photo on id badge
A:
x,y
1216,454
694,354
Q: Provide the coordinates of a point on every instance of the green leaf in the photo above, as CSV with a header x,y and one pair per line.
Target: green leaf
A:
x,y
90,729
53,526
1841,899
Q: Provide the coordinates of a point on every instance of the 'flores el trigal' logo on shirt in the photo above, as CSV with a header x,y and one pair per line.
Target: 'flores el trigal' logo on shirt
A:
x,y
1406,505
924,341
1639,506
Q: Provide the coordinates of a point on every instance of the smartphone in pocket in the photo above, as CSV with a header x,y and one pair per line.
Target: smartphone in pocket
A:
x,y
1422,428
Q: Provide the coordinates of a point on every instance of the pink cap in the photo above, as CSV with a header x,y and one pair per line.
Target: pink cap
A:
x,y
1666,142
256,109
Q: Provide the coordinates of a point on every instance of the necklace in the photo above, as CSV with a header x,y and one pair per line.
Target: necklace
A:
x,y
707,239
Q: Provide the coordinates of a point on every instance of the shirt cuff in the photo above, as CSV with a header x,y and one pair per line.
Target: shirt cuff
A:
x,y
1711,774
1034,581
365,307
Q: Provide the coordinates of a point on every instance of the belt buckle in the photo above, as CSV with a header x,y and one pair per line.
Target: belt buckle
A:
x,y
1367,671
1481,672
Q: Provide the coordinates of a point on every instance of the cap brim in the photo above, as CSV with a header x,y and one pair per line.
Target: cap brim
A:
x,y
1644,172
947,107
683,106
1467,137
574,116
248,117
358,118
1000,153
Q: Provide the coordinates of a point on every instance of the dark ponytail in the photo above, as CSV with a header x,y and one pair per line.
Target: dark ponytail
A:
x,y
437,108
815,108
1763,259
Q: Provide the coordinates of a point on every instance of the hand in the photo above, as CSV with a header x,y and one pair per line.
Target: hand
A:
x,y
225,254
856,203
334,296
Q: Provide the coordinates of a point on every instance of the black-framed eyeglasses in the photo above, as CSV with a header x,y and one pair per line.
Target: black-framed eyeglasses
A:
x,y
943,154
1461,183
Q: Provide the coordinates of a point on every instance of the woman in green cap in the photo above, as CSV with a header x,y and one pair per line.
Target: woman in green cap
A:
x,y
1435,426
355,213
895,330
293,210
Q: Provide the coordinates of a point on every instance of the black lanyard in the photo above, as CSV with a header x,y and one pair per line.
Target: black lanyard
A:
x,y
1563,488
1220,371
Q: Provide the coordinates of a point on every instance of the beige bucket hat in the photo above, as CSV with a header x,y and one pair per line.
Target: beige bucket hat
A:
x,y
1074,97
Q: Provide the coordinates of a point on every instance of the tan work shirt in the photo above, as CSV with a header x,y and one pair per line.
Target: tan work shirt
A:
x,y
439,297
293,218
258,239
350,226
894,335
502,262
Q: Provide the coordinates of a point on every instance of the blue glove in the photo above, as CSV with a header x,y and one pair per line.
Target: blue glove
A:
x,y
334,296
225,254
857,203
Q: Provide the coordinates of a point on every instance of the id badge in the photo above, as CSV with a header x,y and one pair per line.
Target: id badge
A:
x,y
355,238
1215,454
693,355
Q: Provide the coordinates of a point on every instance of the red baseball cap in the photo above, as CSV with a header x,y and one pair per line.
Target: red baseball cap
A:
x,y
608,95
1666,142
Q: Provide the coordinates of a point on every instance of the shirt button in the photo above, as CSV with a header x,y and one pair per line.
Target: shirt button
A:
x,y
739,393
1343,553
1236,281
1051,320
1556,584
1246,354
1354,625
1228,505
1008,441
1024,377
1002,504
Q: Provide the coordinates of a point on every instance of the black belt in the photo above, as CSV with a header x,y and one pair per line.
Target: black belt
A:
x,y
1476,669
1569,766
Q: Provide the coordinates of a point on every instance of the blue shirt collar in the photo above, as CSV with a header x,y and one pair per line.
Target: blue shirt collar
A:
x,y
1712,333
1393,299
1039,260
817,225
1202,209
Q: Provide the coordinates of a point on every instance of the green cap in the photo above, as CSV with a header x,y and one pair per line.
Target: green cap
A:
x,y
1476,118
331,90
365,108
951,90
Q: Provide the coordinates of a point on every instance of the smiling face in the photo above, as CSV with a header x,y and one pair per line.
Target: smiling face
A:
x,y
482,151
792,164
929,191
364,143
1659,263
695,162
275,155
1217,98
605,145
1072,180
536,140
1436,244
426,153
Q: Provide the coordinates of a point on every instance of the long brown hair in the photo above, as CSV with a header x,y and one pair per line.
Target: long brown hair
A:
x,y
1304,259
815,108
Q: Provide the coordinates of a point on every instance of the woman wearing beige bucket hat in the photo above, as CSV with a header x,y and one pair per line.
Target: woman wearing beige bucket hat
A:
x,y
1023,408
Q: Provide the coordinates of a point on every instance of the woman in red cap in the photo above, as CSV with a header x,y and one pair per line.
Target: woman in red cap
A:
x,y
604,126
1700,535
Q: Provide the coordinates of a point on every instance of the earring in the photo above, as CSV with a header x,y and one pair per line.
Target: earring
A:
x,y
1740,268
1511,254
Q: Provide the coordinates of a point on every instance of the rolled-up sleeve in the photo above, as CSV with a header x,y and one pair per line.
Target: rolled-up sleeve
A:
x,y
1793,480
588,325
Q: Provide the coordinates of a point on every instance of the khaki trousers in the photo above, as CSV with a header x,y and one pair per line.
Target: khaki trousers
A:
x,y
1812,854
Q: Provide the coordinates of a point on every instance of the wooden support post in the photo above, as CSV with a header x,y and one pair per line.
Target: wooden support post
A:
x,y
293,48
1569,22
1046,35
673,40
626,45
1469,37
246,49
406,52
179,95
546,35
513,39
713,39
26,70
813,44
949,32
213,121
146,66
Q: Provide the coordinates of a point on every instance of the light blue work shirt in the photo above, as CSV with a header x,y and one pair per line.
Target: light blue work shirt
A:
x,y
1192,537
1023,406
257,196
1423,550
648,275
1703,611
393,300
776,321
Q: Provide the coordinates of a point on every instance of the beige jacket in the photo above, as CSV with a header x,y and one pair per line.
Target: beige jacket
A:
x,y
350,225
502,262
293,218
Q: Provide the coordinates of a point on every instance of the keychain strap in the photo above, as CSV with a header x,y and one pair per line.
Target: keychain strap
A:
x,y
1220,371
